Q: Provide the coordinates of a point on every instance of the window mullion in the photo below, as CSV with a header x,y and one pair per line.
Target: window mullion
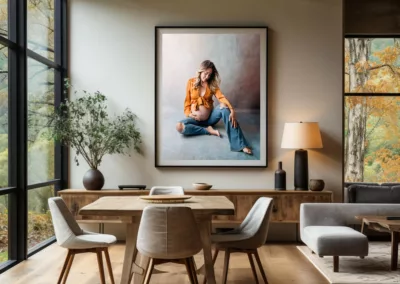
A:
x,y
21,118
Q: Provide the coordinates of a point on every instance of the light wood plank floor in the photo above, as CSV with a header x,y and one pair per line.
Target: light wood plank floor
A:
x,y
283,264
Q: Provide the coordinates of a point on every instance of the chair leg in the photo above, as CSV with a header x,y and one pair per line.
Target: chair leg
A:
x,y
189,270
260,267
101,267
71,259
214,259
253,268
109,267
335,263
149,271
64,267
193,267
226,266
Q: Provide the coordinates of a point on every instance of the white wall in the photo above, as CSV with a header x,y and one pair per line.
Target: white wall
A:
x,y
112,50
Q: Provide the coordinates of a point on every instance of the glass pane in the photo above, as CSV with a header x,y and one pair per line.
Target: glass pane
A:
x,y
4,18
372,65
40,226
372,147
41,27
3,228
3,116
40,106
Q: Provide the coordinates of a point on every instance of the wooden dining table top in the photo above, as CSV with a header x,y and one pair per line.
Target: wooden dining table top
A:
x,y
134,205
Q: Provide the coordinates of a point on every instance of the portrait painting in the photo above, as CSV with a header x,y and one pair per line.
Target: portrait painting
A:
x,y
211,96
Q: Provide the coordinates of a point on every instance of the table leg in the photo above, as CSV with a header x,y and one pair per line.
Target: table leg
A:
x,y
205,233
395,250
130,251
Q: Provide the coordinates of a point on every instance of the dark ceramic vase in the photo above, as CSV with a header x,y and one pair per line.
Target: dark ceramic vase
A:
x,y
93,180
316,184
280,178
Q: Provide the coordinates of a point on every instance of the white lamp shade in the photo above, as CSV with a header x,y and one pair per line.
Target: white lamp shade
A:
x,y
301,135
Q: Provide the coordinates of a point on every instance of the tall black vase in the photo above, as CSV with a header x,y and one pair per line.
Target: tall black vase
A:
x,y
280,178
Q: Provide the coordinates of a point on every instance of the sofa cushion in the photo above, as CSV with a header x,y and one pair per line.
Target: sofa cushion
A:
x,y
335,240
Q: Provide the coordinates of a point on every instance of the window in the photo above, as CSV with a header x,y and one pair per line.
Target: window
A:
x,y
40,227
32,168
40,106
372,109
41,27
3,116
3,229
4,18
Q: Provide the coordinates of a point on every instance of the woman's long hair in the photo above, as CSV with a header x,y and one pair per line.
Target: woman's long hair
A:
x,y
213,81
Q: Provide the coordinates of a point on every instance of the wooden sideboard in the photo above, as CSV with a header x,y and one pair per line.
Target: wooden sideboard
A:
x,y
286,203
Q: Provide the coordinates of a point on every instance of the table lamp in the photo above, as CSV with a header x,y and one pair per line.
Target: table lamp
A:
x,y
301,136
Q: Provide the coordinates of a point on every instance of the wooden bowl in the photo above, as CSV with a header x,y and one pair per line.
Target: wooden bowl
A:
x,y
202,186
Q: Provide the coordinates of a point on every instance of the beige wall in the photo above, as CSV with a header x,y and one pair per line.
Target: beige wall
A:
x,y
112,50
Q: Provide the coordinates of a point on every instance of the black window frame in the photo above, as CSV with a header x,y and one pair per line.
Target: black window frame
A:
x,y
17,128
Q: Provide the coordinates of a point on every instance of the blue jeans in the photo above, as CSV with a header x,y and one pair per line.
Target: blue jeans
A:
x,y
235,135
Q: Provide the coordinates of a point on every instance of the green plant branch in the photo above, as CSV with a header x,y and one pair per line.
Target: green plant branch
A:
x,y
83,124
83,153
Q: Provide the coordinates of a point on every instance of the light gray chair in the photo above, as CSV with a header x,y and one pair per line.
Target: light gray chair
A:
x,y
168,234
164,190
247,238
70,236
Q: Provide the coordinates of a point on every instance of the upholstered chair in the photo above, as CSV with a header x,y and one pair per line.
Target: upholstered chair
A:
x,y
164,190
247,238
168,234
70,236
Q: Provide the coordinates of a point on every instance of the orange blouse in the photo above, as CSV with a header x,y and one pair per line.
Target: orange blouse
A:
x,y
193,97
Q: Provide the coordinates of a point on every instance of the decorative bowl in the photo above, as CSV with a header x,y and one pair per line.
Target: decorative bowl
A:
x,y
202,186
316,184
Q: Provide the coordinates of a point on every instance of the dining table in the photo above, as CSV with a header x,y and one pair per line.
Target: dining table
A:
x,y
128,209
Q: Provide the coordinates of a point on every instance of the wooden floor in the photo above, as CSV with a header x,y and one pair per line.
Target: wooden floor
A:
x,y
283,264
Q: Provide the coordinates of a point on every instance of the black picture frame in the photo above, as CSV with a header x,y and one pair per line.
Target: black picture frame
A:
x,y
179,50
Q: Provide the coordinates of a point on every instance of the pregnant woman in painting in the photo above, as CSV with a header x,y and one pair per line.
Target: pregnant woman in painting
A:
x,y
202,115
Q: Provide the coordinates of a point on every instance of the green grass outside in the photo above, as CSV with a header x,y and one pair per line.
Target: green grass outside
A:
x,y
3,256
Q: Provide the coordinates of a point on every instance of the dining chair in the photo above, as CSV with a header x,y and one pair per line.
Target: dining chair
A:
x,y
167,190
169,234
70,236
247,238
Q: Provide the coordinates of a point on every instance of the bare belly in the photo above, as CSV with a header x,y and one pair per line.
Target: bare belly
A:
x,y
203,113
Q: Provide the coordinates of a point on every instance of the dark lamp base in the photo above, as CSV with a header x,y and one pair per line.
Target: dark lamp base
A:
x,y
301,170
298,188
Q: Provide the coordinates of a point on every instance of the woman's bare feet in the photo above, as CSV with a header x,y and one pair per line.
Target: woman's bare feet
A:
x,y
212,131
247,151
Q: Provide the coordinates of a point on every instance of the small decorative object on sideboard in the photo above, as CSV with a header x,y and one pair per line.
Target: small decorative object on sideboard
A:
x,y
317,184
280,178
202,186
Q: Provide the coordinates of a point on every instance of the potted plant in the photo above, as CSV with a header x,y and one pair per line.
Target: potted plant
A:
x,y
84,125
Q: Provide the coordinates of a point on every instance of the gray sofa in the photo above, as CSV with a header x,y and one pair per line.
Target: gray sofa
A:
x,y
325,227
373,193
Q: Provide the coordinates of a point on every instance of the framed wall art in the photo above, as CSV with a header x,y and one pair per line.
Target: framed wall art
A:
x,y
211,96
